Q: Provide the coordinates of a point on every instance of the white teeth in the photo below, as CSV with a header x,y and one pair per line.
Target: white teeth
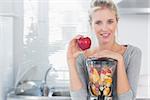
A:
x,y
105,34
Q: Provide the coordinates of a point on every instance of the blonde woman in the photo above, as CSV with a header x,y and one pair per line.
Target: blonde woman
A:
x,y
104,20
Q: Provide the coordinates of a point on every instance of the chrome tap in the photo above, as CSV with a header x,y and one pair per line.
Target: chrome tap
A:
x,y
44,87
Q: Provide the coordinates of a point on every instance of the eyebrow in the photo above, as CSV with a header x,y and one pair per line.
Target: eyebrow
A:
x,y
101,20
110,19
97,21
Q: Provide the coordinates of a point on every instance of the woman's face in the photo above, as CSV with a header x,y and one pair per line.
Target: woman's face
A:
x,y
104,24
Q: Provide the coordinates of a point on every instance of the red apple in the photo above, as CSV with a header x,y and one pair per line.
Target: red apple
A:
x,y
84,43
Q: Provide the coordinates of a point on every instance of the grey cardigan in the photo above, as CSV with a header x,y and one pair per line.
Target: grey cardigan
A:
x,y
132,59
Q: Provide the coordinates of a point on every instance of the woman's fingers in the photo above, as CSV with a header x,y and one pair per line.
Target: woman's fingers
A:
x,y
78,36
73,49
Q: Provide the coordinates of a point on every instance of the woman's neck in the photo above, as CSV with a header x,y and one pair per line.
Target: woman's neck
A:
x,y
110,46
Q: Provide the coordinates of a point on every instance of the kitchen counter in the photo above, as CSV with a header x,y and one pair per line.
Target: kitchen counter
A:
x,y
17,97
12,96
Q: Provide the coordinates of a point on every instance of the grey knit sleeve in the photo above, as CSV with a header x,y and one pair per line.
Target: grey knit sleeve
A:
x,y
81,69
133,71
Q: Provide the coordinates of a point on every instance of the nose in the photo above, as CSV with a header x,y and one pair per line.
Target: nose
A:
x,y
104,27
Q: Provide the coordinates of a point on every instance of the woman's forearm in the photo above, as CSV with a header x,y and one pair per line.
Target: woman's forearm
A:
x,y
75,82
122,79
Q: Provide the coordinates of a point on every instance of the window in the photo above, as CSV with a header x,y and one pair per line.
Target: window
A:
x,y
48,27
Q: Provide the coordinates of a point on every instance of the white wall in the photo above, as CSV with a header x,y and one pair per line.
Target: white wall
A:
x,y
6,47
10,36
6,55
6,6
17,35
133,29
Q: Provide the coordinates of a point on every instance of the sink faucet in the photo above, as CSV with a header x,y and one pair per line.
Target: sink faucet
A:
x,y
44,87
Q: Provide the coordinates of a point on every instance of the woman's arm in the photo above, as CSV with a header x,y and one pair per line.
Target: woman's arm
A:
x,y
75,82
78,80
78,89
133,72
72,53
123,85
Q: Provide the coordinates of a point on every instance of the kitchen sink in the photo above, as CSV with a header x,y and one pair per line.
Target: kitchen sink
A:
x,y
55,95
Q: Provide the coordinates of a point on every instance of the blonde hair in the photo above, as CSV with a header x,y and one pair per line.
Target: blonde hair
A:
x,y
98,4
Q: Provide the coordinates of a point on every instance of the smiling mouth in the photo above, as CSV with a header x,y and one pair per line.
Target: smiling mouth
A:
x,y
105,35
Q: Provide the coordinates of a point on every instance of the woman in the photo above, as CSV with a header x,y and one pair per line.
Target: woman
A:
x,y
103,21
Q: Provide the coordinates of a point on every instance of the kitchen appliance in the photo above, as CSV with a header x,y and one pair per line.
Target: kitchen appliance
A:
x,y
101,74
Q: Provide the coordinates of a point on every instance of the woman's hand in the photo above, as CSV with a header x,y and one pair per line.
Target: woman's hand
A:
x,y
109,54
73,50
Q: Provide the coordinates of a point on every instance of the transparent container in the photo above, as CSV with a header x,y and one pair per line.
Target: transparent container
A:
x,y
101,72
